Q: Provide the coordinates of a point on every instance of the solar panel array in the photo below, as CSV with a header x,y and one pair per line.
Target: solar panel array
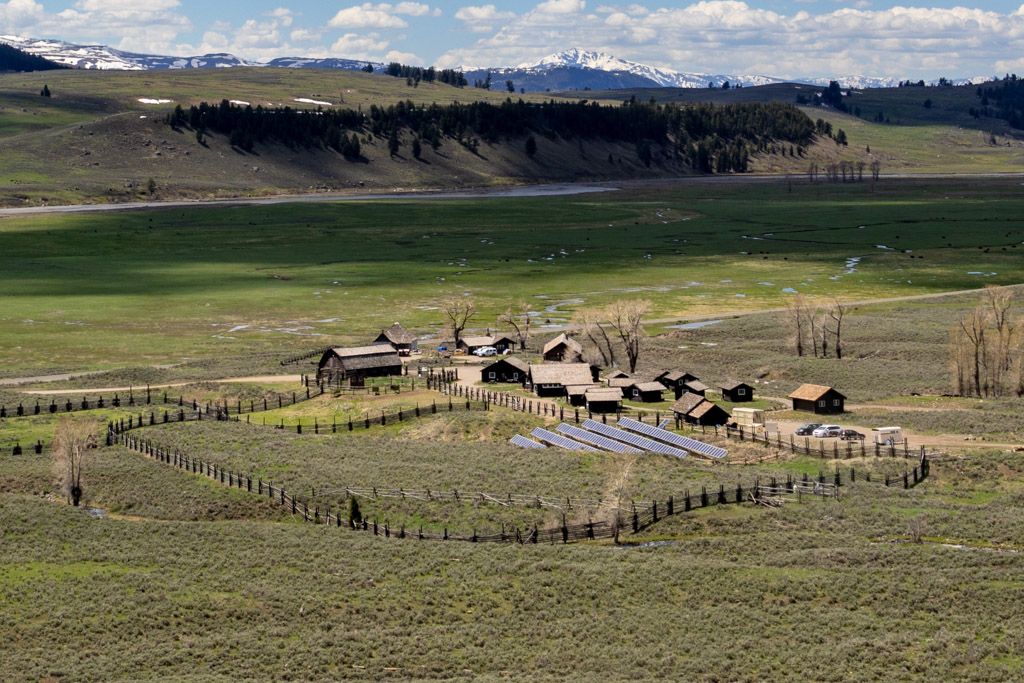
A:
x,y
523,442
597,440
561,441
691,445
633,439
665,423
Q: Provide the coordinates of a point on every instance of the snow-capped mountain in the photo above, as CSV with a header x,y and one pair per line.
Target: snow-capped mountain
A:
x,y
575,58
104,57
572,69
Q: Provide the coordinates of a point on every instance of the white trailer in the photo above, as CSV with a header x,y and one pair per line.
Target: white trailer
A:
x,y
887,436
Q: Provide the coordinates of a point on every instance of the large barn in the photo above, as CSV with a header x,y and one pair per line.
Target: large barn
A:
x,y
815,398
552,379
354,364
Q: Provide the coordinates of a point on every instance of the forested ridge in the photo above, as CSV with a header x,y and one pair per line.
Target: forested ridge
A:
x,y
13,59
707,137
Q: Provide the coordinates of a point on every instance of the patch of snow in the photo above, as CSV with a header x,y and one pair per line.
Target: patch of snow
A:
x,y
306,100
790,290
151,100
242,103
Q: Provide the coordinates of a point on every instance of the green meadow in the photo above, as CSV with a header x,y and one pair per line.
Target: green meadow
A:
x,y
149,287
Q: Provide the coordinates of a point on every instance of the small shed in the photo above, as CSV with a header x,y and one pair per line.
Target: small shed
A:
x,y
736,392
603,400
674,379
685,403
694,386
577,394
818,399
646,392
356,363
621,383
402,339
708,414
695,409
616,374
508,369
562,349
551,379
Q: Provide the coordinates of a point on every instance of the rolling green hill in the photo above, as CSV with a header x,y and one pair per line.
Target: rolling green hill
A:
x,y
102,136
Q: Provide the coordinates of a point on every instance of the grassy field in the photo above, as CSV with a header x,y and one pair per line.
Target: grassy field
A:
x,y
190,286
162,589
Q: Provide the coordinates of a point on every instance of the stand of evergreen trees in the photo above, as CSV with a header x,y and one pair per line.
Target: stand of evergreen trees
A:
x,y
710,138
1003,99
13,59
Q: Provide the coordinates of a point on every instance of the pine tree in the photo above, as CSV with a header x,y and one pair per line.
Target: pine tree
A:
x,y
45,92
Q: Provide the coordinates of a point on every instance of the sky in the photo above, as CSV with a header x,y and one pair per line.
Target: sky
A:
x,y
781,38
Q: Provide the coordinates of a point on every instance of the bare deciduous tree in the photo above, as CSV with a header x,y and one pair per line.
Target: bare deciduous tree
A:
x,y
458,311
876,169
72,441
837,312
589,321
626,318
796,319
518,318
985,348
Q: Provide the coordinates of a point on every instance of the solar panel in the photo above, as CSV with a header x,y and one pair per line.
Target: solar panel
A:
x,y
691,445
665,423
561,441
633,440
523,442
599,441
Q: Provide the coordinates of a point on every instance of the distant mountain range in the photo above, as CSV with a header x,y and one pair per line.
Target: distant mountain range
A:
x,y
572,69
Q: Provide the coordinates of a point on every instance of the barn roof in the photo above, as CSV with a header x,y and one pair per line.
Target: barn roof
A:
x,y
696,385
569,342
372,350
477,341
687,402
367,362
701,409
812,392
674,375
729,386
621,382
565,374
578,389
517,363
396,334
596,394
648,386
615,374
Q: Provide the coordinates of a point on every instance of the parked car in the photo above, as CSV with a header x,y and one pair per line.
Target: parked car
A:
x,y
486,351
851,435
807,429
827,432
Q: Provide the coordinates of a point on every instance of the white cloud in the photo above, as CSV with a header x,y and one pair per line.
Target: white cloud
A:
x,y
413,9
283,15
366,15
402,58
125,6
723,36
355,46
304,36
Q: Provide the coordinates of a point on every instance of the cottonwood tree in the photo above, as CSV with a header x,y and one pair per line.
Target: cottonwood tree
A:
x,y
589,322
836,312
795,318
985,348
458,311
72,442
626,318
519,319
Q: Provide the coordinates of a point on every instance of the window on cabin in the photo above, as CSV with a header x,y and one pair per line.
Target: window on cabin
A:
x,y
741,392
821,404
491,375
515,375
836,401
